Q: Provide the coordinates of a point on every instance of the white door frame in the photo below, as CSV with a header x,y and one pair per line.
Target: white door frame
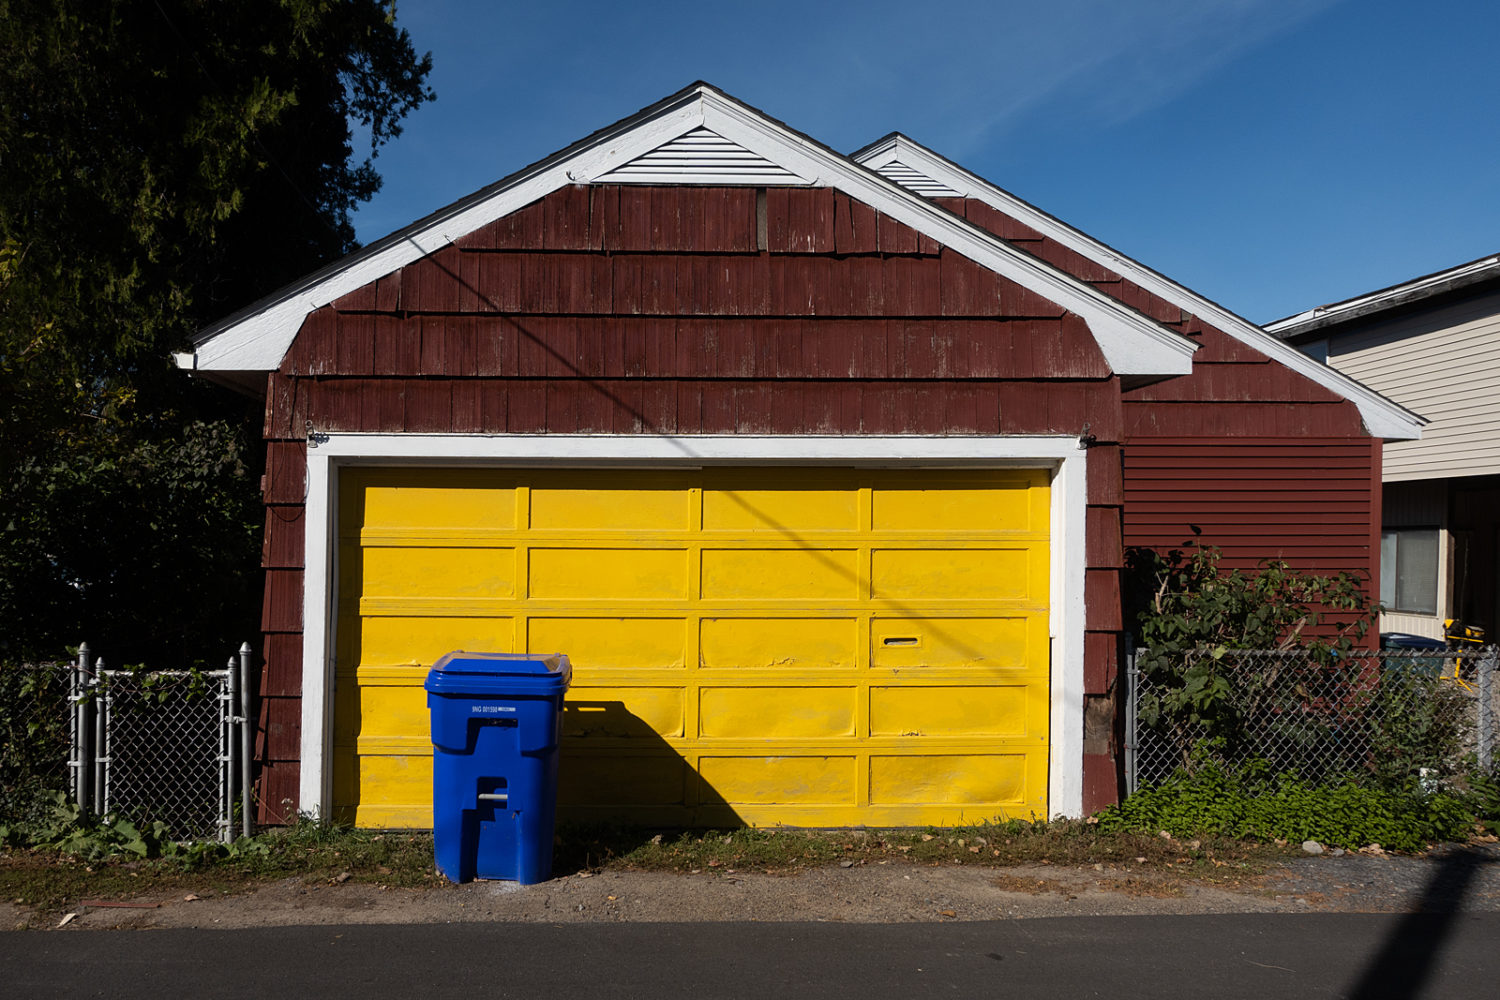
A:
x,y
1064,455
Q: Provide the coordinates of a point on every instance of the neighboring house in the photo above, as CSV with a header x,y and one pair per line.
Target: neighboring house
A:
x,y
821,473
1433,345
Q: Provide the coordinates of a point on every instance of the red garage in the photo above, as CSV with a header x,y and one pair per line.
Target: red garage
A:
x,y
820,468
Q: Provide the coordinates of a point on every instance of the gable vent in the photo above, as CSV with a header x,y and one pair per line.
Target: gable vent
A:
x,y
700,157
916,181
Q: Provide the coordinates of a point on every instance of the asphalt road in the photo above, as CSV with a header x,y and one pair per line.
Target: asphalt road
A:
x,y
1240,955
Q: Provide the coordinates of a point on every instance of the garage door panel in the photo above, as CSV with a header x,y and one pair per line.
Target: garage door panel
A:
x,y
585,508
592,643
810,643
791,712
622,780
405,781
418,571
381,707
935,779
415,639
781,510
595,712
778,779
938,507
973,644
627,574
802,646
387,498
949,710
969,574
780,574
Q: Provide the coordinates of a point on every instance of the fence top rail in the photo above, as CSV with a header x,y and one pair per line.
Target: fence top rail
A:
x,y
218,674
1477,653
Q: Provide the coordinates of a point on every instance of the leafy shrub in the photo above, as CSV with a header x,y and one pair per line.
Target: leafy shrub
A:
x,y
1254,802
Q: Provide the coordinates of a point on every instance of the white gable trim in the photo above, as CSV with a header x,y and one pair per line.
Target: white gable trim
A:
x,y
699,157
257,338
1382,417
914,180
1066,456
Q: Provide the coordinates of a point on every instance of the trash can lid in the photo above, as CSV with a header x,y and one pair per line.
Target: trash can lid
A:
x,y
462,672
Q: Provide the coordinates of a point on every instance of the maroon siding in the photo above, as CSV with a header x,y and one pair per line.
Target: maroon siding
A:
x,y
1263,461
656,310
1243,453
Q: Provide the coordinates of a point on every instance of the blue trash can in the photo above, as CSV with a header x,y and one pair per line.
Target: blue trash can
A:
x,y
495,724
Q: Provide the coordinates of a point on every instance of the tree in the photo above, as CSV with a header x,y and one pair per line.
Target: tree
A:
x,y
162,163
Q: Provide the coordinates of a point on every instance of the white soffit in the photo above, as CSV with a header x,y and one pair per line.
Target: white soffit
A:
x,y
1382,417
257,338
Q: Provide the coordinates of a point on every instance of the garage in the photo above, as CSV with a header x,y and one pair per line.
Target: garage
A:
x,y
808,646
822,469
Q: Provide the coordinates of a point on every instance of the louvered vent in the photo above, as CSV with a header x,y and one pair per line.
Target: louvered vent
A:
x,y
700,157
916,181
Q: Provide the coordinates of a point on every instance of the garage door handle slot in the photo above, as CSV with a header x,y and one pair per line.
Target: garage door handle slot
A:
x,y
900,640
493,797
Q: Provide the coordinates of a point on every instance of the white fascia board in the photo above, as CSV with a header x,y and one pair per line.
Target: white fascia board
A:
x,y
259,341
1133,344
1464,275
1382,417
1066,456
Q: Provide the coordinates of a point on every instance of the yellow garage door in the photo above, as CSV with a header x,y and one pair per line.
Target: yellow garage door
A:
x,y
813,647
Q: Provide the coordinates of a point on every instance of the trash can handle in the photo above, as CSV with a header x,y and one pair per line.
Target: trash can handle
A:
x,y
493,797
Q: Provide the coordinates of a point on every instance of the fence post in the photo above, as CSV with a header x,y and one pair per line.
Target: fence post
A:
x,y
1131,685
229,735
245,737
1487,666
100,700
82,728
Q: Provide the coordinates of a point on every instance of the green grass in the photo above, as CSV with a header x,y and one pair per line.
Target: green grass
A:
x,y
49,881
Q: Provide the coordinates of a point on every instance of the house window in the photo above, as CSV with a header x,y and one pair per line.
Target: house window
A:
x,y
1409,570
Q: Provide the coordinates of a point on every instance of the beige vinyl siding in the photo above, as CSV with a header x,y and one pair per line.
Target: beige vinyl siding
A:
x,y
1445,365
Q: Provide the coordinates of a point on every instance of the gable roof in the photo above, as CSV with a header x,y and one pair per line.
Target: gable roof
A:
x,y
699,135
913,165
1463,278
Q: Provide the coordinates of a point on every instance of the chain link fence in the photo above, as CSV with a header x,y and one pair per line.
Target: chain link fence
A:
x,y
150,746
35,727
1387,716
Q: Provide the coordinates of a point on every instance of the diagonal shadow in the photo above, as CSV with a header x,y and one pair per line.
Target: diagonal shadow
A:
x,y
1409,954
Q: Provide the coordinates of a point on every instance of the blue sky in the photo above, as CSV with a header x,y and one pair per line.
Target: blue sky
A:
x,y
1272,155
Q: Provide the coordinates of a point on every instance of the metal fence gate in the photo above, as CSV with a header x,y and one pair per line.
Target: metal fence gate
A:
x,y
1391,715
168,746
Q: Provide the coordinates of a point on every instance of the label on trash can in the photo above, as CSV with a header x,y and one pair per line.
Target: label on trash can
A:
x,y
491,709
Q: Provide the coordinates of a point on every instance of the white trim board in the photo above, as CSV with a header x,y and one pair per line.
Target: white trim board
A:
x,y
1066,456
1384,418
257,338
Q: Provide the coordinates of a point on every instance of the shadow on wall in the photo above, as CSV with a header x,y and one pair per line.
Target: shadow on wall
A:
x,y
616,769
